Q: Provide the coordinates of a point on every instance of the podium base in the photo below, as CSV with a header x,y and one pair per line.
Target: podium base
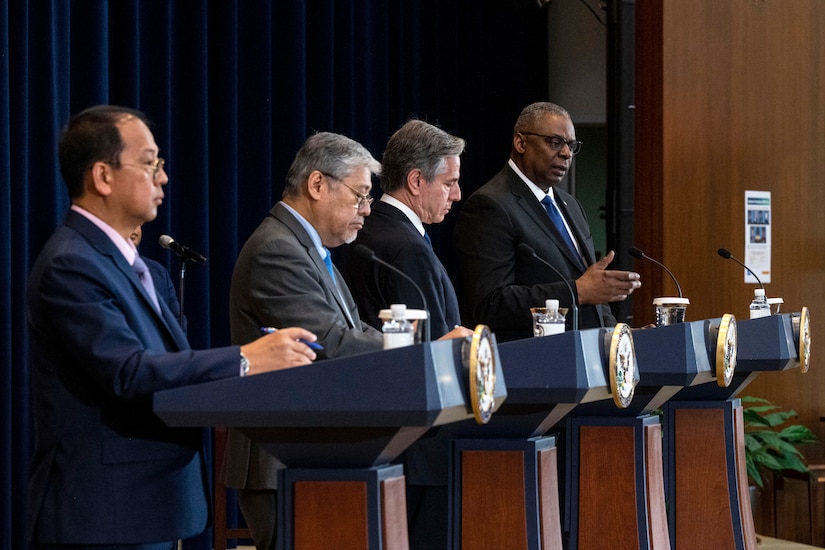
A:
x,y
707,476
615,484
504,494
327,509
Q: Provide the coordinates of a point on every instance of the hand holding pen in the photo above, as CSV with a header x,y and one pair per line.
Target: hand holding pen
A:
x,y
288,347
313,345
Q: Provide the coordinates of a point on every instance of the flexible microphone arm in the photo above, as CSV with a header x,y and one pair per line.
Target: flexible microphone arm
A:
x,y
528,251
725,253
368,254
638,254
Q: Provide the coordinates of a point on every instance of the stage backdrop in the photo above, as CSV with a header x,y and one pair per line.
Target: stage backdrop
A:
x,y
234,88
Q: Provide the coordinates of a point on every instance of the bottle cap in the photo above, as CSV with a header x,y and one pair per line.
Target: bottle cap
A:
x,y
759,292
551,304
398,310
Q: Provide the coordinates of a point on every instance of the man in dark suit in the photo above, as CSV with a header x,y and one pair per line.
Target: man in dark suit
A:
x,y
419,177
284,275
499,285
105,470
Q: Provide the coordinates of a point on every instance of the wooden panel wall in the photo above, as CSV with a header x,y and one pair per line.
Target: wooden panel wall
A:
x,y
731,97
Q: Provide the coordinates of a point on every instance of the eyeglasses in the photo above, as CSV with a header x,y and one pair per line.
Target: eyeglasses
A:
x,y
556,143
363,198
155,166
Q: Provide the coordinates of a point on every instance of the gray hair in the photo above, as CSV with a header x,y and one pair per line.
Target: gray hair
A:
x,y
332,154
531,114
420,145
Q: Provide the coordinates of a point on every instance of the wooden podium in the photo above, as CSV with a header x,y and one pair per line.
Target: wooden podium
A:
x,y
707,483
337,425
504,475
616,454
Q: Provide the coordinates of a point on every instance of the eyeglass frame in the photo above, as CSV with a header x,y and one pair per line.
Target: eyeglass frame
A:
x,y
574,145
155,165
363,198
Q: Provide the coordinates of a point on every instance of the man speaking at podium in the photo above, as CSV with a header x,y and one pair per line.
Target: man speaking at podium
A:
x,y
522,204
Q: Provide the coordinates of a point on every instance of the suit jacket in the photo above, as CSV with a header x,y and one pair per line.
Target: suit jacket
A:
x,y
280,280
394,239
499,285
105,469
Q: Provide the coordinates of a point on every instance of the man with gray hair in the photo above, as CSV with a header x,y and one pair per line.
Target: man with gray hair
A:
x,y
284,272
523,205
420,172
419,177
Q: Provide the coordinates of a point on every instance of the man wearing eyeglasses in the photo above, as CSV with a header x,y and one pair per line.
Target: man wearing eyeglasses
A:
x,y
105,471
522,204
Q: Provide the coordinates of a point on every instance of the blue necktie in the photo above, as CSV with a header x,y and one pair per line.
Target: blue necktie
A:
x,y
555,217
328,262
146,279
427,238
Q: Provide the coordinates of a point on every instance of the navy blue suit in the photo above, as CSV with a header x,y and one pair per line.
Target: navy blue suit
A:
x,y
394,239
105,469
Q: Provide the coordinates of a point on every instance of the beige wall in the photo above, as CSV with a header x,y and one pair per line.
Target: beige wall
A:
x,y
731,97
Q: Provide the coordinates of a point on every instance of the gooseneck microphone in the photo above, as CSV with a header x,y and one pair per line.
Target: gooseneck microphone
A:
x,y
638,254
369,254
183,251
725,253
527,251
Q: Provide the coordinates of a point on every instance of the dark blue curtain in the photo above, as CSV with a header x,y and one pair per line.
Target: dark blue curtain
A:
x,y
234,88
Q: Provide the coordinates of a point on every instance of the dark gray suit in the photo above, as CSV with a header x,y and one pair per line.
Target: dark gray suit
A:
x,y
499,286
280,280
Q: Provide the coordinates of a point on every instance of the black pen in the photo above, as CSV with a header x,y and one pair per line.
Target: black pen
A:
x,y
313,345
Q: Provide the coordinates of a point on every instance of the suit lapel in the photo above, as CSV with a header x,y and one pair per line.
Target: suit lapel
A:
x,y
340,294
106,248
535,211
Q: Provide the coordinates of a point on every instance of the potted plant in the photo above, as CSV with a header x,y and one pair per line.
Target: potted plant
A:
x,y
769,445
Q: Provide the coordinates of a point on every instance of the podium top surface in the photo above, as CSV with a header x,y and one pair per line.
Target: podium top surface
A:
x,y
422,385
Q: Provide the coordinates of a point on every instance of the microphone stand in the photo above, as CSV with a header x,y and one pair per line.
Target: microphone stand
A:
x,y
181,288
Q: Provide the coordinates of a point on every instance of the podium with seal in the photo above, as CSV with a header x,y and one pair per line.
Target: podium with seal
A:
x,y
707,484
504,475
337,424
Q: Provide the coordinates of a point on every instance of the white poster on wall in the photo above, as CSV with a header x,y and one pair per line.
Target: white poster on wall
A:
x,y
758,235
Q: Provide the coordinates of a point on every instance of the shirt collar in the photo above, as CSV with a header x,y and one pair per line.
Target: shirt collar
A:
x,y
413,217
313,234
535,189
126,247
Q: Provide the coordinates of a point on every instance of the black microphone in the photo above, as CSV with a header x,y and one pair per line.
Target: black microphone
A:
x,y
184,252
368,254
638,254
725,253
527,250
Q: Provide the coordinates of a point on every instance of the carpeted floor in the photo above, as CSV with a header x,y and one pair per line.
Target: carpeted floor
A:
x,y
767,543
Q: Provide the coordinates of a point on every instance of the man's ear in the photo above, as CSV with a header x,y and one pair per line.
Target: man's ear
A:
x,y
316,184
101,178
414,181
519,142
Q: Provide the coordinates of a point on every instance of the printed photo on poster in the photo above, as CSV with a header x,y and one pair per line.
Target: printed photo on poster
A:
x,y
758,235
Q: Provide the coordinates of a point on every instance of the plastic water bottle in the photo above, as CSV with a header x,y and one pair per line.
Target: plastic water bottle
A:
x,y
759,306
398,331
552,322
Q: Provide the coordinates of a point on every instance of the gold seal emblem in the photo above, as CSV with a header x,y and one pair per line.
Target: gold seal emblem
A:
x,y
803,335
482,373
726,342
623,370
